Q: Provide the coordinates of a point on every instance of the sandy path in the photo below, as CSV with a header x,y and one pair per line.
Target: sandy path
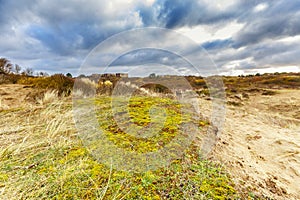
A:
x,y
13,95
260,145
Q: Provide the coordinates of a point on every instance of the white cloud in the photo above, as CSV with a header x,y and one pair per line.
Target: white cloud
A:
x,y
220,4
273,70
290,39
198,33
201,33
149,2
261,7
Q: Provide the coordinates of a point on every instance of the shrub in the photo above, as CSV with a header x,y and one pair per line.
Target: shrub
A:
x,y
9,78
62,84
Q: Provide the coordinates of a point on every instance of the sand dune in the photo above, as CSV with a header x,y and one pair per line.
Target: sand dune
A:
x,y
260,145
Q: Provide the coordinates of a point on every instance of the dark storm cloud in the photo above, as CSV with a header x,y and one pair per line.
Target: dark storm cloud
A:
x,y
144,56
68,27
260,55
258,44
38,30
178,13
217,44
280,19
64,26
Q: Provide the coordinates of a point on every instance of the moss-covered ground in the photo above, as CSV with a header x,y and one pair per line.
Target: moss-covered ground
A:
x,y
42,157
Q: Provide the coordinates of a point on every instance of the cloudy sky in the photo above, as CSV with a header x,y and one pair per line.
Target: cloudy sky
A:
x,y
240,36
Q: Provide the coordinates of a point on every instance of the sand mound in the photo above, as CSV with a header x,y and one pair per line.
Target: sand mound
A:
x,y
260,145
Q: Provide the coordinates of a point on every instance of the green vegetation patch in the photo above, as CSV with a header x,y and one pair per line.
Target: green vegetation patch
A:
x,y
135,121
50,162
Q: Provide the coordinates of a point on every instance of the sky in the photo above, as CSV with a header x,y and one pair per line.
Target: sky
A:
x,y
239,36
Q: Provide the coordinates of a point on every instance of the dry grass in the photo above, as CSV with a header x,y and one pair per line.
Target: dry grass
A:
x,y
28,142
89,82
48,97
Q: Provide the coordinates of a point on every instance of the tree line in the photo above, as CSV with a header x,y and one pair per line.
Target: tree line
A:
x,y
6,67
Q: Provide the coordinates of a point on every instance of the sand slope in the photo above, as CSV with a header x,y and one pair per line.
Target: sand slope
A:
x,y
14,95
260,145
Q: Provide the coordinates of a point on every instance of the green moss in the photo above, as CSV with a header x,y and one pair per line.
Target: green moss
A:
x,y
166,125
3,177
66,170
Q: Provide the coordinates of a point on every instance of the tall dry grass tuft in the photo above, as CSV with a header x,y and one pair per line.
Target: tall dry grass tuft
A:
x,y
89,82
84,87
48,97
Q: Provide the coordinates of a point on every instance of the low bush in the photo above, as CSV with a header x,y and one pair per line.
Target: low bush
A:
x,y
62,84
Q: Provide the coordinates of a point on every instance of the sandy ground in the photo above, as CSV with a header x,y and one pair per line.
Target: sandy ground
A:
x,y
14,95
260,145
